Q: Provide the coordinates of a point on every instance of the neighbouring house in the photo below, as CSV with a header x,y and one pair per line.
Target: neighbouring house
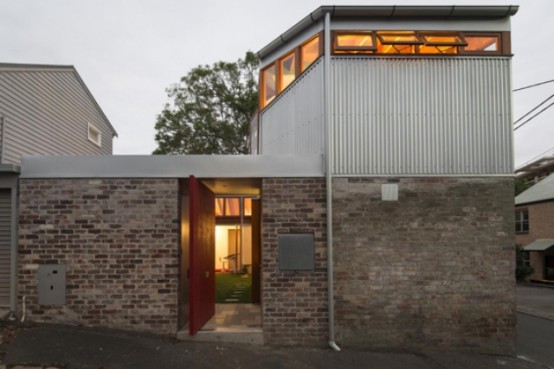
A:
x,y
378,199
535,170
534,224
44,110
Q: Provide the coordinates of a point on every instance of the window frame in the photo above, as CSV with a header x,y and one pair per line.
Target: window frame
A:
x,y
262,96
380,35
357,49
280,70
97,131
460,35
503,43
520,221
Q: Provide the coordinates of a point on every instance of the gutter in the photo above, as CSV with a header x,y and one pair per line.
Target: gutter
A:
x,y
329,180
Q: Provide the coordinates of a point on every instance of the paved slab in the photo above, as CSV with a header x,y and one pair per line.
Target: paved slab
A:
x,y
73,347
536,301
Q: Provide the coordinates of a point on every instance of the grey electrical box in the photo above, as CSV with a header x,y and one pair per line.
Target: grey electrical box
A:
x,y
296,251
51,284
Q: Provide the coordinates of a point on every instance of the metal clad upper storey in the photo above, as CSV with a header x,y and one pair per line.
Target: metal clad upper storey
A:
x,y
421,116
294,122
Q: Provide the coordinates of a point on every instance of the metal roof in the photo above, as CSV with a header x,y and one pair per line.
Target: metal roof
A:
x,y
391,12
542,191
539,245
53,67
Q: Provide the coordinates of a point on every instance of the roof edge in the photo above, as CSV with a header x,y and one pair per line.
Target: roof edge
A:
x,y
392,11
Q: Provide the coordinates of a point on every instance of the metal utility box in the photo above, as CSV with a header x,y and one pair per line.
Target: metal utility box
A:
x,y
296,251
51,284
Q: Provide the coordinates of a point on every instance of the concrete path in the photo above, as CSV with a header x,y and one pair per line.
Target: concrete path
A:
x,y
54,346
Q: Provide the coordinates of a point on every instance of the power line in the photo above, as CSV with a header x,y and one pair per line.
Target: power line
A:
x,y
530,119
533,85
535,108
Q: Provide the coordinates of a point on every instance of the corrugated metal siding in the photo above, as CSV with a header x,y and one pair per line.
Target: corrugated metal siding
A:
x,y
5,246
46,112
415,116
293,124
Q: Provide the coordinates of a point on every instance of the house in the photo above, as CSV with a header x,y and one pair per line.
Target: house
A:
x,y
44,110
380,191
534,224
535,170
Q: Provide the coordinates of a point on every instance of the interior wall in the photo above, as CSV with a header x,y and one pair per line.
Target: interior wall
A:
x,y
222,243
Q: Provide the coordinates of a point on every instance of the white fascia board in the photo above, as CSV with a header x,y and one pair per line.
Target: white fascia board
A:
x,y
172,166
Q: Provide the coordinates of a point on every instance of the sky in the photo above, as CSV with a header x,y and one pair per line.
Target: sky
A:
x,y
128,52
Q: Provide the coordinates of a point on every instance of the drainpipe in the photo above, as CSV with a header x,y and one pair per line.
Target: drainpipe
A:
x,y
329,156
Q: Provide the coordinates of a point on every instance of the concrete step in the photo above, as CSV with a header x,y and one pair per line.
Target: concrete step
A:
x,y
248,335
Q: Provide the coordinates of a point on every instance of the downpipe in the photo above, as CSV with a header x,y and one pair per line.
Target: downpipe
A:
x,y
329,146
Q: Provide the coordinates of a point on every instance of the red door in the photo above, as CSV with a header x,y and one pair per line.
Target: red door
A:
x,y
202,255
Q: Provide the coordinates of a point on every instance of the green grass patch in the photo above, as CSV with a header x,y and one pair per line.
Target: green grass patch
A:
x,y
233,286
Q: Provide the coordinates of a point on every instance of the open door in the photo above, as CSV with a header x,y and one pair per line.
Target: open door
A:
x,y
202,255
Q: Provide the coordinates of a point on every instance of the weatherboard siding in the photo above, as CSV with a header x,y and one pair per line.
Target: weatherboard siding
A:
x,y
47,112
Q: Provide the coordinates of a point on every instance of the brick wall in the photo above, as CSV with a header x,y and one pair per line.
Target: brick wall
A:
x,y
294,302
434,269
119,240
541,225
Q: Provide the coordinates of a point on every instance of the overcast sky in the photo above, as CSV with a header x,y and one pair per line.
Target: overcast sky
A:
x,y
129,51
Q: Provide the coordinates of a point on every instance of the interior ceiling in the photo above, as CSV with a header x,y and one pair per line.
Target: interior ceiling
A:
x,y
234,186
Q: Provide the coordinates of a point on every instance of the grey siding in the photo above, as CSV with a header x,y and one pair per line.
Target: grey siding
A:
x,y
417,116
47,111
293,124
5,246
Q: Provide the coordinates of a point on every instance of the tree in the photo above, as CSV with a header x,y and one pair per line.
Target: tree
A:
x,y
210,110
521,185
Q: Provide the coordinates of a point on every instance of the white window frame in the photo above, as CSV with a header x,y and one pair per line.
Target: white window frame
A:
x,y
93,130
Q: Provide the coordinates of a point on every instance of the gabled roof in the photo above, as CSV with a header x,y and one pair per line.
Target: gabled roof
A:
x,y
391,12
66,68
542,191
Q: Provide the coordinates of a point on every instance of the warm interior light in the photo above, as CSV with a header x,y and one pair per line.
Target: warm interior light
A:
x,y
287,71
309,52
269,85
481,43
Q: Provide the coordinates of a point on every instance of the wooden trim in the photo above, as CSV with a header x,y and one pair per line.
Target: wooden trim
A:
x,y
499,50
460,36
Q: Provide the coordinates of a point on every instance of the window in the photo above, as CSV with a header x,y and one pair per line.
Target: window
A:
x,y
419,42
277,76
230,206
309,52
269,85
486,43
94,135
354,42
522,221
287,71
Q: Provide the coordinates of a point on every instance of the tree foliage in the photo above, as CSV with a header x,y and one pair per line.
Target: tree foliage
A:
x,y
210,109
521,185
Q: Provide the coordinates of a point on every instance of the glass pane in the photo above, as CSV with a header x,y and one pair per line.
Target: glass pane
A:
x,y
481,43
438,49
406,37
269,86
247,207
219,207
396,49
288,70
309,52
443,40
355,41
232,207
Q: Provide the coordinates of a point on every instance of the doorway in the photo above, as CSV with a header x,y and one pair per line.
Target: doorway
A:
x,y
220,219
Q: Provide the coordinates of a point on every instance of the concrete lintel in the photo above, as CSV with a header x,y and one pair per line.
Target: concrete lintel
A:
x,y
172,166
